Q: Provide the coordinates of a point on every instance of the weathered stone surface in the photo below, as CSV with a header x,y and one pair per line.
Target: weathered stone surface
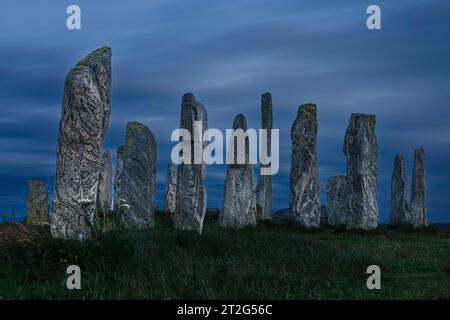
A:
x,y
264,186
419,190
37,203
304,186
239,199
399,193
118,178
136,177
360,148
84,123
171,188
104,190
190,206
323,212
337,200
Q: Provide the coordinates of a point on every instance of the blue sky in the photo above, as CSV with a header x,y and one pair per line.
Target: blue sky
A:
x,y
228,53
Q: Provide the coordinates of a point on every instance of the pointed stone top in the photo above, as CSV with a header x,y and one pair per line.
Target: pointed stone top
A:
x,y
107,154
102,54
239,122
399,157
188,97
135,126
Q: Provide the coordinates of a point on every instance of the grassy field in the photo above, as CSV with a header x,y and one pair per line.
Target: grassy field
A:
x,y
270,261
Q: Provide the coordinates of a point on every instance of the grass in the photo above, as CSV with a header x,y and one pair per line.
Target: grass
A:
x,y
270,261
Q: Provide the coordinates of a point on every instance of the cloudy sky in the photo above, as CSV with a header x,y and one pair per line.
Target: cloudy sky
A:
x,y
228,53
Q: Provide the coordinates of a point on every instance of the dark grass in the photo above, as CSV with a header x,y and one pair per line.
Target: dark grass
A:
x,y
268,262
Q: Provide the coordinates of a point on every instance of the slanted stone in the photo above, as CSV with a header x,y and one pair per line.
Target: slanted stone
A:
x,y
360,148
37,203
304,186
171,188
239,199
337,200
418,191
264,186
399,194
84,123
190,208
104,190
136,177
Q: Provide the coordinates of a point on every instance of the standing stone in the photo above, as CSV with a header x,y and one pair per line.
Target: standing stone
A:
x,y
337,200
360,148
264,186
104,190
118,178
239,199
171,188
84,123
136,177
37,203
419,190
399,192
190,207
304,186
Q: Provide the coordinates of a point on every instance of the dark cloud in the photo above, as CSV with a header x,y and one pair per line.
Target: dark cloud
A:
x,y
228,53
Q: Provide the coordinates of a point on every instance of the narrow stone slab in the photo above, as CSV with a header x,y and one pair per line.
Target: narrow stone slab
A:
x,y
399,194
337,200
37,203
304,186
264,186
239,199
360,148
191,193
419,190
171,188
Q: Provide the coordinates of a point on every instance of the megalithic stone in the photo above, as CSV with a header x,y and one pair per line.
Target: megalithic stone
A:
x,y
104,190
337,200
137,177
118,178
84,123
419,190
191,193
360,148
264,186
304,186
399,194
37,203
171,188
239,199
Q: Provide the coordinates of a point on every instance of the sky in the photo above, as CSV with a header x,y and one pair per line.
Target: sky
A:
x,y
228,53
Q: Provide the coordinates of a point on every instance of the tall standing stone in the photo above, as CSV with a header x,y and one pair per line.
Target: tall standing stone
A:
x,y
171,188
419,190
360,148
264,186
190,208
337,200
304,186
136,177
239,199
399,193
84,123
104,190
37,203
